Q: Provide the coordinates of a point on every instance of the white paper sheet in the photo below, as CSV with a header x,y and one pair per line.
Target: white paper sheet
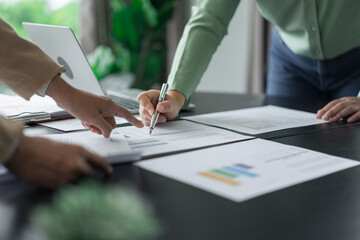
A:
x,y
245,170
168,137
258,119
69,125
12,105
114,150
175,136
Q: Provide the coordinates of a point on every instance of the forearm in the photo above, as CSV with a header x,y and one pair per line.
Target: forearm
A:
x,y
64,95
58,89
202,35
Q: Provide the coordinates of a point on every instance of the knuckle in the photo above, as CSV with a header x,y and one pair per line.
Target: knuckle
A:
x,y
330,112
143,114
342,104
140,96
149,105
79,150
127,114
109,101
72,165
142,110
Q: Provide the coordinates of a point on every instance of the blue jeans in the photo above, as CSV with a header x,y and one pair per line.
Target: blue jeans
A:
x,y
291,75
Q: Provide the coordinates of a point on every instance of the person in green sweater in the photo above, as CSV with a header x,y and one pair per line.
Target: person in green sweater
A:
x,y
314,53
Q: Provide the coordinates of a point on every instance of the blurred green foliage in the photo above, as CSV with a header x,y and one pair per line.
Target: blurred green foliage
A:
x,y
138,40
92,211
39,11
103,61
138,35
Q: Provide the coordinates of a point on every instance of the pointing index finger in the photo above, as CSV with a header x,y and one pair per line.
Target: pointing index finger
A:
x,y
123,113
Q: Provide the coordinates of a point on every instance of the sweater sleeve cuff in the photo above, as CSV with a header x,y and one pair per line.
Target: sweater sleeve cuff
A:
x,y
42,91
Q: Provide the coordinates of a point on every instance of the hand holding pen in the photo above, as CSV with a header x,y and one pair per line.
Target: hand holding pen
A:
x,y
155,117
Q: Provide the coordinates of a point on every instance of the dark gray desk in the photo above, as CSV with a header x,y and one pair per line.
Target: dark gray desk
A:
x,y
325,208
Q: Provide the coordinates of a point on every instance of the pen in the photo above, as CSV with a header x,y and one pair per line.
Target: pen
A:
x,y
155,117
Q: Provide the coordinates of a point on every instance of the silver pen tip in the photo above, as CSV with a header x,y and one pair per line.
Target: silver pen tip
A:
x,y
150,130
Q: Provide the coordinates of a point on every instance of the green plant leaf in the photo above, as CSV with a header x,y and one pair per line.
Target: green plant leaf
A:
x,y
139,31
102,61
128,27
123,58
165,12
117,5
149,12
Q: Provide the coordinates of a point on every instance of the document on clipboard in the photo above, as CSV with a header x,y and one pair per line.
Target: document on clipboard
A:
x,y
38,109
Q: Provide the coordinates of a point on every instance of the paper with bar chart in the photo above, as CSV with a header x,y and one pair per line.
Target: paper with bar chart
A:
x,y
258,119
248,169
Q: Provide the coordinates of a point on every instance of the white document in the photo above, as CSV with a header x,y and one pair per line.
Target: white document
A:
x,y
245,170
169,137
74,124
258,119
114,150
13,105
175,136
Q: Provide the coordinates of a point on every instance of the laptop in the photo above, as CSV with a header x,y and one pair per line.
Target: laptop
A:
x,y
61,45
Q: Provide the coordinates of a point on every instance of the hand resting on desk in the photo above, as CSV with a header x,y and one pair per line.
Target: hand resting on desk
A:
x,y
51,164
341,108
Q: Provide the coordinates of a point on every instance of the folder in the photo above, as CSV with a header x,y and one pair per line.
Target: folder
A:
x,y
38,109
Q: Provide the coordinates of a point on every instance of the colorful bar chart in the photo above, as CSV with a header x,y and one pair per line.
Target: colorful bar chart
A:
x,y
230,174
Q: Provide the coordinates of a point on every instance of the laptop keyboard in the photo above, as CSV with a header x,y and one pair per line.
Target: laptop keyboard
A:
x,y
128,103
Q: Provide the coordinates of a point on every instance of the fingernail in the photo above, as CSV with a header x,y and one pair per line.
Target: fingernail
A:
x,y
161,108
150,111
